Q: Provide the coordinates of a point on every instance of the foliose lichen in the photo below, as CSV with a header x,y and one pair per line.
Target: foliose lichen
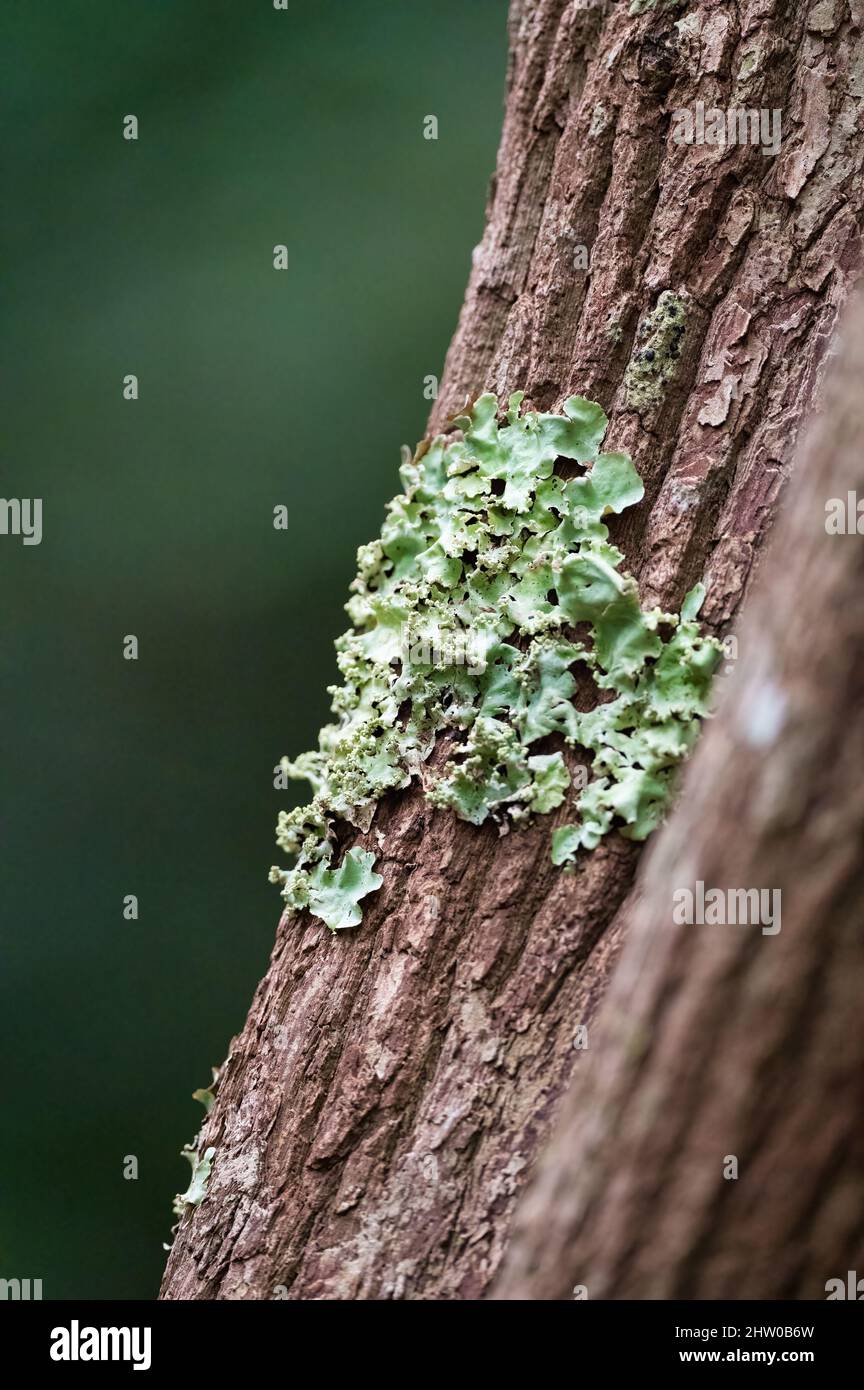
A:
x,y
197,1189
491,599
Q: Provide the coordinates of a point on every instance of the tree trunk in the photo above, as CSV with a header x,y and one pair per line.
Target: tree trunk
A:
x,y
380,1113
733,1042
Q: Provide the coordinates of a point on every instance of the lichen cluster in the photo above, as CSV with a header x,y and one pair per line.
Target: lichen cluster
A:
x,y
491,599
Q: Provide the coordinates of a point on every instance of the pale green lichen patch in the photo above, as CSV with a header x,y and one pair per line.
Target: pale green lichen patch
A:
x,y
492,583
197,1189
657,352
333,895
206,1095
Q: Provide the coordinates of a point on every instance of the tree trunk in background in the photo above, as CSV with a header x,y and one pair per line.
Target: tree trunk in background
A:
x,y
380,1113
721,1040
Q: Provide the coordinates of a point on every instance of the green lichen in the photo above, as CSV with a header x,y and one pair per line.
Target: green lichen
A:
x,y
491,599
658,349
333,895
197,1189
206,1095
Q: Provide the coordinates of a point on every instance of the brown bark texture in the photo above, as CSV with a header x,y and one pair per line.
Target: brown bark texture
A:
x,y
727,1041
380,1113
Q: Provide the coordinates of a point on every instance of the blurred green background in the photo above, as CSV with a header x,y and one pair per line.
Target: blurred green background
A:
x,y
257,388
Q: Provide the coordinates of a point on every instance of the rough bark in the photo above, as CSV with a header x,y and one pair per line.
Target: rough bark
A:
x,y
722,1040
387,1098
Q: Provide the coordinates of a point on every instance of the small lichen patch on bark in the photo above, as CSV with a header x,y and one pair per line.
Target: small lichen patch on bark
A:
x,y
197,1190
822,19
658,350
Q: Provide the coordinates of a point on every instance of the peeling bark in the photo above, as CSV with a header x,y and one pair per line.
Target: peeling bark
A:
x,y
381,1110
724,1041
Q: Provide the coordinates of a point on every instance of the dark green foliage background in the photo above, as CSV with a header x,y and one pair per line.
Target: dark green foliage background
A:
x,y
257,388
